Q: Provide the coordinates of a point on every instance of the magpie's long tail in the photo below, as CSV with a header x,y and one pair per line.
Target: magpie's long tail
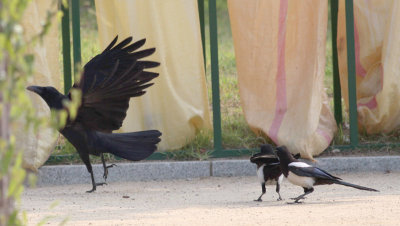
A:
x,y
133,146
353,185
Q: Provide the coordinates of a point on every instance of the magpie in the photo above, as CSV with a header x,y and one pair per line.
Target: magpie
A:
x,y
268,168
307,176
107,83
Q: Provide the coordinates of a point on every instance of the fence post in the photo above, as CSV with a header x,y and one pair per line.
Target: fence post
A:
x,y
337,96
76,36
200,4
215,75
66,47
351,68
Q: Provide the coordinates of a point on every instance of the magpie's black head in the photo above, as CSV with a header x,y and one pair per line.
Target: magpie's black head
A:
x,y
49,94
267,149
284,155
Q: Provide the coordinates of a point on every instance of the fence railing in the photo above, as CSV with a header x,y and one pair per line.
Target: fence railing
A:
x,y
218,150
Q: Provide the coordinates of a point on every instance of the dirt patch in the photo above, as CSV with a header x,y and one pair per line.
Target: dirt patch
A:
x,y
217,201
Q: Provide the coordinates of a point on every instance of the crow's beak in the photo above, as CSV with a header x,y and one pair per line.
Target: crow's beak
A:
x,y
35,89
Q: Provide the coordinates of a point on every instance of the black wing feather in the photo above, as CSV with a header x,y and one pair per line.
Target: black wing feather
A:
x,y
134,46
109,80
112,43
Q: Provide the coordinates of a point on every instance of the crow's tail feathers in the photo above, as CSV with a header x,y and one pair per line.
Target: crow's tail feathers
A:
x,y
133,146
353,185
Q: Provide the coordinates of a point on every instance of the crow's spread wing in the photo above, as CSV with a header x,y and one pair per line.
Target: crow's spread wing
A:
x,y
312,172
109,80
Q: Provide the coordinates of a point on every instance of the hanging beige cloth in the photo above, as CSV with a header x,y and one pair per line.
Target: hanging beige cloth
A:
x,y
177,103
38,145
377,51
280,57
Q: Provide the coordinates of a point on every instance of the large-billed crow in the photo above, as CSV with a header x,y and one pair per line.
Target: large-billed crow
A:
x,y
108,81
307,176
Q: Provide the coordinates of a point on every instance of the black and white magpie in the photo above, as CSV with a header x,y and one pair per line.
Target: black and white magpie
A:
x,y
268,168
307,176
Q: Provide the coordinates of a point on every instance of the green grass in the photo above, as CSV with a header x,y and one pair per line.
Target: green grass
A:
x,y
198,149
235,131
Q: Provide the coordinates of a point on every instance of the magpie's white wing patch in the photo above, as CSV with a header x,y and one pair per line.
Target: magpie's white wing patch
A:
x,y
299,164
296,175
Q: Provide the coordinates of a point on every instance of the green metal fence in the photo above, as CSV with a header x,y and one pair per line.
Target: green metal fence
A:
x,y
218,150
351,62
352,89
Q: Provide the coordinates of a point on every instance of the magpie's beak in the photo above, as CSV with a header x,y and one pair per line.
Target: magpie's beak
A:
x,y
35,89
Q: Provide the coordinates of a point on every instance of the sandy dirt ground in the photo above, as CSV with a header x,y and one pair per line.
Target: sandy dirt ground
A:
x,y
217,201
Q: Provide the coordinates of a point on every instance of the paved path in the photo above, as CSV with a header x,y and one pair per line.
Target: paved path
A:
x,y
217,201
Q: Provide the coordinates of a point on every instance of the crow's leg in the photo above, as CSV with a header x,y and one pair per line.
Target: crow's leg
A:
x,y
105,175
306,192
95,184
263,192
86,160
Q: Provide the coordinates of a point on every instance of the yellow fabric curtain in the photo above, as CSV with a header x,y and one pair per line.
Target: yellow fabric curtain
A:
x,y
377,50
38,146
177,103
280,57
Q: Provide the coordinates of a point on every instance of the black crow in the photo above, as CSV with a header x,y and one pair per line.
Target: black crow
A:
x,y
108,81
307,176
268,168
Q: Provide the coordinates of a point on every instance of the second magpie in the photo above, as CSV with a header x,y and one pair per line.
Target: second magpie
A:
x,y
307,176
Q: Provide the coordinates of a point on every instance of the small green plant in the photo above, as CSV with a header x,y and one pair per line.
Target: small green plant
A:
x,y
16,66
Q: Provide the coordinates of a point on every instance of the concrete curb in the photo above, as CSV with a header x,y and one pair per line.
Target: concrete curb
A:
x,y
145,171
